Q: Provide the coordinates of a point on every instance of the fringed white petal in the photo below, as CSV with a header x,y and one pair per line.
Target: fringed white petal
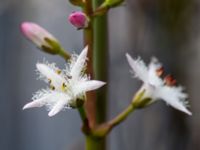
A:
x,y
173,96
139,68
56,79
38,102
57,108
62,101
86,86
153,78
79,64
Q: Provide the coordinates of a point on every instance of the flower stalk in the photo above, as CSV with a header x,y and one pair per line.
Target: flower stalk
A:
x,y
95,36
88,40
105,128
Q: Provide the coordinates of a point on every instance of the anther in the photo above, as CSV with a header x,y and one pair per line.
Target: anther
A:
x,y
69,77
58,71
160,71
64,87
169,80
49,80
52,87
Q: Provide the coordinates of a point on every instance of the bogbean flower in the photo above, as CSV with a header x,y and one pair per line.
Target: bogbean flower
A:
x,y
40,37
78,19
154,87
67,87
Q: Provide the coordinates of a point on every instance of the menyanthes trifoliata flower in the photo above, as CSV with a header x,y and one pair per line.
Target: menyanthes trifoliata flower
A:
x,y
154,87
67,87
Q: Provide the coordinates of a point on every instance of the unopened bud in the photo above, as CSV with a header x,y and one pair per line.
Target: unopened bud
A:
x,y
40,37
79,19
160,71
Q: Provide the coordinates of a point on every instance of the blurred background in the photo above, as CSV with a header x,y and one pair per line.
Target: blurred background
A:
x,y
167,29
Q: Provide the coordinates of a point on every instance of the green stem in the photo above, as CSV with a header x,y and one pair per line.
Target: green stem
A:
x,y
95,36
94,143
100,64
64,54
102,130
100,67
82,113
137,102
88,40
122,116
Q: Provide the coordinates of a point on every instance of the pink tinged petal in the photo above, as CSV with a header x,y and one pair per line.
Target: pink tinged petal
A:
x,y
36,103
49,73
57,108
138,67
174,96
79,64
36,34
89,86
62,101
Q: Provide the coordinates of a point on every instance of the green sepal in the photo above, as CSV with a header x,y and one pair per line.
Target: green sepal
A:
x,y
52,47
140,101
143,103
79,3
106,6
112,3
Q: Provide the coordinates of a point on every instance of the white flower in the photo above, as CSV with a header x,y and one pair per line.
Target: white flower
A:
x,y
67,87
155,87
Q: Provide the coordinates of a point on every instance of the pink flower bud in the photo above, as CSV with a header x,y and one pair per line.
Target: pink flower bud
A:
x,y
78,19
37,34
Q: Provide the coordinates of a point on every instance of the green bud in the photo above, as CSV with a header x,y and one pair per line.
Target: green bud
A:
x,y
140,100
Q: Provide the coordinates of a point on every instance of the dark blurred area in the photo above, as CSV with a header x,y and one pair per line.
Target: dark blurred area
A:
x,y
167,29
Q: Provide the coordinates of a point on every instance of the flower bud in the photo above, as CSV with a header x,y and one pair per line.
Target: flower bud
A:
x,y
79,19
40,37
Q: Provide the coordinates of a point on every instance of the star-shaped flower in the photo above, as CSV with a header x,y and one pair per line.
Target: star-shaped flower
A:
x,y
67,87
155,87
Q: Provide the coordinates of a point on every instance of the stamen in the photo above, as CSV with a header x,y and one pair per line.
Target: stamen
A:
x,y
69,77
64,87
160,71
58,71
49,80
169,80
52,87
